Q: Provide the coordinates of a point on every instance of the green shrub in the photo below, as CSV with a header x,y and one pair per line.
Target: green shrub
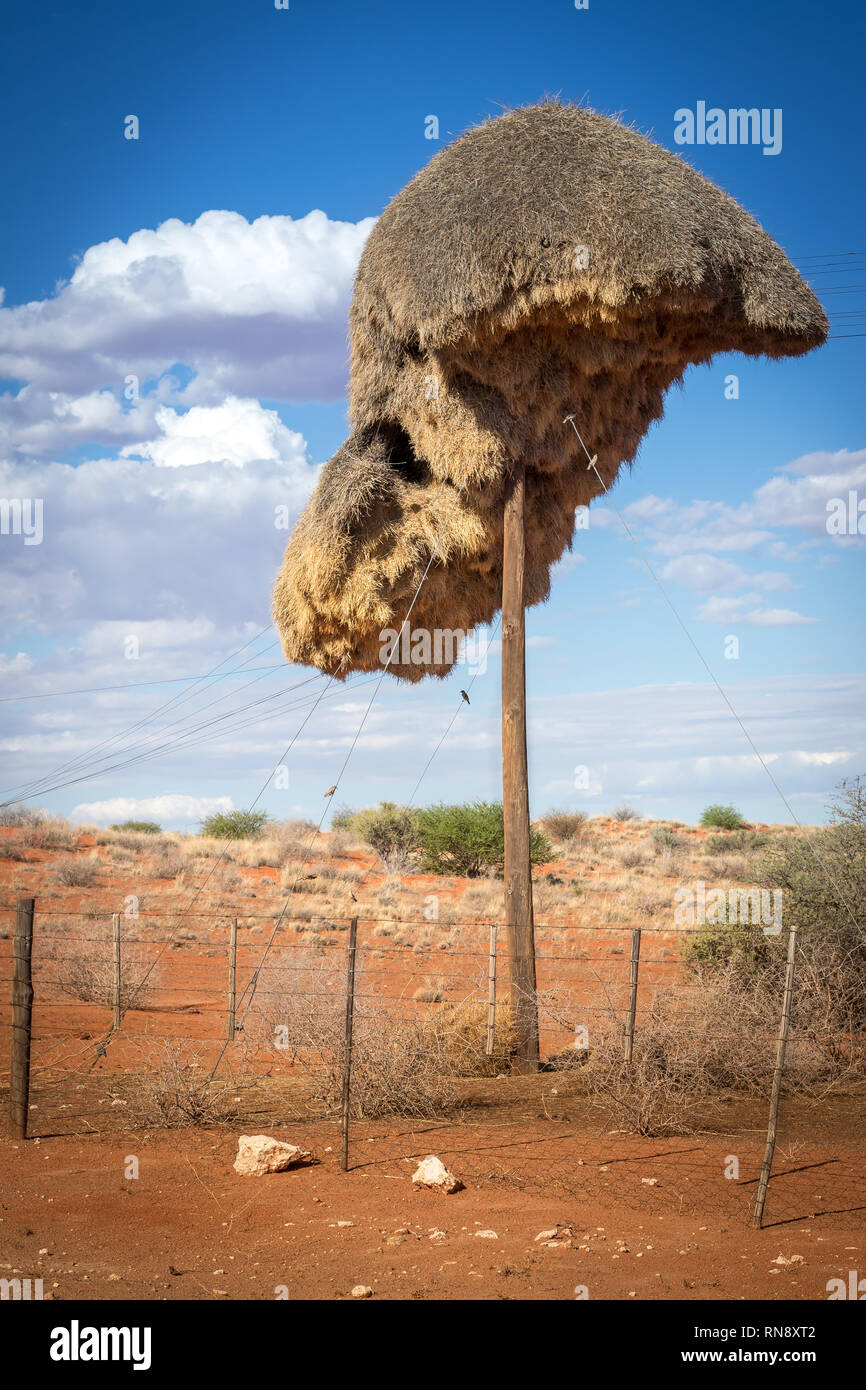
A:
x,y
736,842
468,839
717,945
342,817
822,878
235,825
391,830
140,827
663,838
722,818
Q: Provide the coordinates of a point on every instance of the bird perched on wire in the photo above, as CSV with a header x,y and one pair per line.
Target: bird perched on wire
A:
x,y
465,696
331,790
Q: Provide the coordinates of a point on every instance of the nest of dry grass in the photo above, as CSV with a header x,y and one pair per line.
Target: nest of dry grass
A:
x,y
551,261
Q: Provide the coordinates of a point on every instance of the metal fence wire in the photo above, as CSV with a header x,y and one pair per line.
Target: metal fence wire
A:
x,y
659,1084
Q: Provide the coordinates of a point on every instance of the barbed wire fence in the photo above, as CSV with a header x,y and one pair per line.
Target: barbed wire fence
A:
x,y
655,1086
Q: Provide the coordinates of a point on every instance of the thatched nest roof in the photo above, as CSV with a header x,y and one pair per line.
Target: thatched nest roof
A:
x,y
549,262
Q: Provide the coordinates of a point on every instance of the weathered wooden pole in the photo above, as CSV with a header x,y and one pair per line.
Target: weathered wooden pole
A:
x,y
515,779
781,1046
491,993
22,1008
632,995
233,980
115,933
347,1053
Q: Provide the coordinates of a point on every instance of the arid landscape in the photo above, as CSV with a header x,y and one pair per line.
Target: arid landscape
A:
x,y
644,1190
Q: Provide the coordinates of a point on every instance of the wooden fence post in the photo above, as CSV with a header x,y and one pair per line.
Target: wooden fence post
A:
x,y
781,1045
22,1009
347,1061
115,931
233,980
491,992
632,995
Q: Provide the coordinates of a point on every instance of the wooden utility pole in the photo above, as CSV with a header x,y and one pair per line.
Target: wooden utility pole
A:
x,y
22,1007
515,778
781,1046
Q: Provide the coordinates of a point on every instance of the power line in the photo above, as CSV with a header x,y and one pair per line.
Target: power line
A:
x,y
84,759
827,255
93,770
127,685
182,740
252,984
711,673
141,723
453,720
102,1048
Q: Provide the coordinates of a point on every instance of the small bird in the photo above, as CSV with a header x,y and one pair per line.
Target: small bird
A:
x,y
331,790
465,696
352,896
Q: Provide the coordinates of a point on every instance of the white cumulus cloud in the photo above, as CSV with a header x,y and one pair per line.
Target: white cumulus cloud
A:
x,y
236,432
138,541
172,810
737,610
254,308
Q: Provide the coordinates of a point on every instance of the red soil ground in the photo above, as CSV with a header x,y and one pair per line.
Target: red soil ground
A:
x,y
649,1218
189,1228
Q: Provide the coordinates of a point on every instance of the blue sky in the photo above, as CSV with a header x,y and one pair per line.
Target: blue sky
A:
x,y
159,512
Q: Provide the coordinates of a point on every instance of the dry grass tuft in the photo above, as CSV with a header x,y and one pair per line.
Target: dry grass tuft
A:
x,y
78,873
173,1091
563,826
84,970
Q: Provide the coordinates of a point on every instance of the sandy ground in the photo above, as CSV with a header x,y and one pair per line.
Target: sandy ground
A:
x,y
188,1227
642,1219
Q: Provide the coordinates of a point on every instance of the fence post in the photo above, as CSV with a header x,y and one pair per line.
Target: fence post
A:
x,y
347,1063
22,1008
115,931
781,1044
491,993
632,994
233,979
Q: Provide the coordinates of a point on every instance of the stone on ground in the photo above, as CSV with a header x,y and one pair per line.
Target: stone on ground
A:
x,y
259,1154
431,1172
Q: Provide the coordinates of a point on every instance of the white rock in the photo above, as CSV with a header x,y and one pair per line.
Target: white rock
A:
x,y
487,1235
362,1291
650,1182
259,1154
431,1172
548,1235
